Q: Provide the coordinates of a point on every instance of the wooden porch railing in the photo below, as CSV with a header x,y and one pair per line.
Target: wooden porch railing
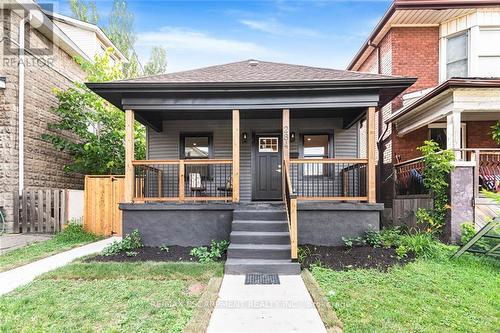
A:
x,y
290,200
330,179
183,180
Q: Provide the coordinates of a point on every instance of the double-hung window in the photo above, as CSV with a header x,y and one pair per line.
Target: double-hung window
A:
x,y
457,56
316,146
196,146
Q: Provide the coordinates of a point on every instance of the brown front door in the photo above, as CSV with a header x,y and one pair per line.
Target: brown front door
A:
x,y
266,171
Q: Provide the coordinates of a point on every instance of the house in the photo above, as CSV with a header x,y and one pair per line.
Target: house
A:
x,y
452,48
264,154
36,49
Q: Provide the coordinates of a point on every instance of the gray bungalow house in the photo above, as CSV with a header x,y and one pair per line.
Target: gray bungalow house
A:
x,y
264,154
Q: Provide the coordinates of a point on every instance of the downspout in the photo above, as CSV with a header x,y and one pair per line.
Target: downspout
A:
x,y
20,92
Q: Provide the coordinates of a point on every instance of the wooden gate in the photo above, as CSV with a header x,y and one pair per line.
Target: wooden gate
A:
x,y
102,197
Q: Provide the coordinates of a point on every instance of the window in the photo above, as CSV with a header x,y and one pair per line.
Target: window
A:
x,y
457,56
268,145
489,52
196,145
437,132
316,146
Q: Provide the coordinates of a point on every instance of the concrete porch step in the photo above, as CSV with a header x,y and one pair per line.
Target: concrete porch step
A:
x,y
268,266
260,237
260,214
258,251
251,225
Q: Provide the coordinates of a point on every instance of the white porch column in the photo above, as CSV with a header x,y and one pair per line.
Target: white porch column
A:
x,y
453,131
129,155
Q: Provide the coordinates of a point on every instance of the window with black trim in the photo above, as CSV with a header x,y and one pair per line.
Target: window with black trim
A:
x,y
316,146
196,146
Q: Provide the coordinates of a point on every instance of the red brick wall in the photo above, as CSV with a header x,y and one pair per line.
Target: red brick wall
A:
x,y
479,134
406,147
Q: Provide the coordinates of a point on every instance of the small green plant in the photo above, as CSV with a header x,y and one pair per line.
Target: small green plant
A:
x,y
74,232
373,238
164,248
349,242
390,237
131,253
467,231
438,165
131,241
402,251
302,254
217,249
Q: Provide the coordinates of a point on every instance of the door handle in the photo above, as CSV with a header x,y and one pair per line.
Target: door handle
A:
x,y
278,170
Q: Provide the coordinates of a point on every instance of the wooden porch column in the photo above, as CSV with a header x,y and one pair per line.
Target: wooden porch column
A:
x,y
129,155
286,135
370,149
236,155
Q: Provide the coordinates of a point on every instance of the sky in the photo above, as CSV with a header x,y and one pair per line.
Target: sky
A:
x,y
322,33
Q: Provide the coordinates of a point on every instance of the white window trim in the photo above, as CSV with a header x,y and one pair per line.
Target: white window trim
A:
x,y
463,127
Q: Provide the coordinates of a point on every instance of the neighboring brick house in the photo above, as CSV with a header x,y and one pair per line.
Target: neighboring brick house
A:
x,y
48,64
435,41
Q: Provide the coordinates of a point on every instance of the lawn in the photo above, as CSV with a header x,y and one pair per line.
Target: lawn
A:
x,y
108,297
428,295
71,237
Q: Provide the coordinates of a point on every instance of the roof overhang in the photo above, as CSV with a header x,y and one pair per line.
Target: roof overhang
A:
x,y
403,13
152,100
469,96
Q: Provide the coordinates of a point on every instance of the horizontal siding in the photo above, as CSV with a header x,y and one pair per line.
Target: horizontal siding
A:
x,y
165,145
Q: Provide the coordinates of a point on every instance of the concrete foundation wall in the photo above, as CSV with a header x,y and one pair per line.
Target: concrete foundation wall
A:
x,y
461,197
184,225
197,224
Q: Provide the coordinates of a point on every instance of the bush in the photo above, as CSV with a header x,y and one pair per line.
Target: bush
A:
x,y
129,242
467,231
74,233
217,249
373,238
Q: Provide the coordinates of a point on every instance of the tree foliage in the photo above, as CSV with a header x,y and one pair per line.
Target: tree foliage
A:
x,y
157,63
90,129
495,132
437,166
85,11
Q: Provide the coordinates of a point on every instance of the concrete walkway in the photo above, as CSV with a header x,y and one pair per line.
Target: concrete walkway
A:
x,y
286,307
20,276
9,242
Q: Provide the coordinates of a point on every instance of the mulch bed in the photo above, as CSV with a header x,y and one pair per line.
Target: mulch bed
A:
x,y
146,253
341,258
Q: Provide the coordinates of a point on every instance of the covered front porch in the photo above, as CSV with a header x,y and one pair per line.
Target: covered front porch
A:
x,y
256,141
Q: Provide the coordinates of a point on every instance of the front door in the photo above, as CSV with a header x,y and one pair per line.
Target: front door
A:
x,y
266,171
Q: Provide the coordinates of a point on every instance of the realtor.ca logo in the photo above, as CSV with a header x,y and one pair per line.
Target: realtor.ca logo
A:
x,y
38,28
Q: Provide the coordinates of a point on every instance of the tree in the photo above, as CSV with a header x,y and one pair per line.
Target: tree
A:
x,y
120,30
157,63
90,129
85,11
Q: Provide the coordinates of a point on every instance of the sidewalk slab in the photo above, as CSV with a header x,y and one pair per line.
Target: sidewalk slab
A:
x,y
9,242
22,275
286,307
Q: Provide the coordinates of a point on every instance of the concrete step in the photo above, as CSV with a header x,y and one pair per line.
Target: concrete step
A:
x,y
260,237
250,225
262,215
258,251
244,266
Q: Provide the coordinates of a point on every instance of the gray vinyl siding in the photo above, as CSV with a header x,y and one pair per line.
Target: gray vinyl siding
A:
x,y
165,145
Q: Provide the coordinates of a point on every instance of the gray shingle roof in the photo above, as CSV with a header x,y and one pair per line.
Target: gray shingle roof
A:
x,y
258,71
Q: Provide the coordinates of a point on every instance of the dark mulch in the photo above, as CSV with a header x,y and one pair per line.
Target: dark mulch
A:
x,y
146,253
341,258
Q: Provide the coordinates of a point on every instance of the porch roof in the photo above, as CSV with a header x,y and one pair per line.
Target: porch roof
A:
x,y
250,85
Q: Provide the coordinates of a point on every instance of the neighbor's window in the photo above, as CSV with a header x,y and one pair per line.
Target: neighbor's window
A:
x,y
316,146
196,146
489,52
457,56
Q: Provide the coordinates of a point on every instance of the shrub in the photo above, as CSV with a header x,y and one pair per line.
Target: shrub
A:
x,y
373,238
467,231
349,242
74,233
217,249
129,242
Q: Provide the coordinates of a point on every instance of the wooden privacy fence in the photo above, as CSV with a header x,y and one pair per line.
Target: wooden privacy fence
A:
x,y
101,214
40,211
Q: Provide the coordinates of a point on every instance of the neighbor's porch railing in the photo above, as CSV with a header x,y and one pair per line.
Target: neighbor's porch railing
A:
x,y
329,179
183,180
408,177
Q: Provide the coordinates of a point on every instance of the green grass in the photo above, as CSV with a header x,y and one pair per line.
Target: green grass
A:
x,y
71,237
107,297
428,295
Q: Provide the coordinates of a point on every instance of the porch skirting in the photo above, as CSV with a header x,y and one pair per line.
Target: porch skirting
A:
x,y
319,223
